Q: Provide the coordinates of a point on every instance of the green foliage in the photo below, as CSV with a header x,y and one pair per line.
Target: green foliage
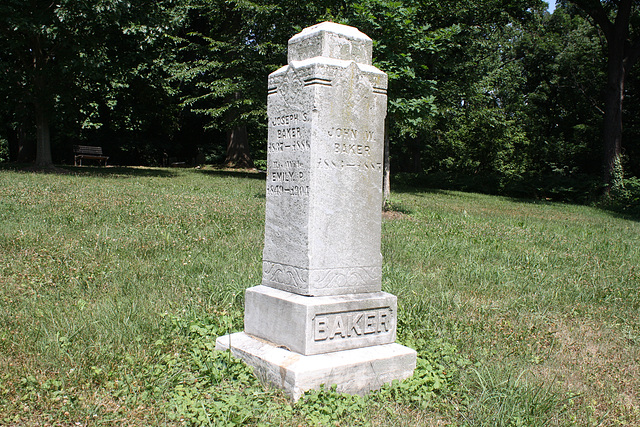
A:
x,y
404,47
209,387
89,70
4,150
226,51
436,375
261,165
502,399
624,197
328,407
618,23
499,92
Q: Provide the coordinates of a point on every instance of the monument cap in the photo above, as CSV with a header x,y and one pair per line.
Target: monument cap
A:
x,y
331,40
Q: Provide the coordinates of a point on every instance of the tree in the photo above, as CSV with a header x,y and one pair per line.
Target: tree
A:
x,y
619,21
404,46
30,44
62,53
230,48
227,50
562,113
480,80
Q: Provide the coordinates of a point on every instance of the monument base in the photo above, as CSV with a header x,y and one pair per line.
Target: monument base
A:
x,y
319,325
356,371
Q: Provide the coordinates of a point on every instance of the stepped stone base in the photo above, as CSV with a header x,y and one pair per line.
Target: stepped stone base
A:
x,y
355,371
316,325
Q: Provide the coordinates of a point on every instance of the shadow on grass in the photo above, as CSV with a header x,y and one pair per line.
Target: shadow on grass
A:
x,y
97,171
394,210
419,191
235,173
121,171
131,171
526,194
629,216
139,171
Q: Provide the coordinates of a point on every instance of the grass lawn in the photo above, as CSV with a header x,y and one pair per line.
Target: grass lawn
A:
x,y
114,283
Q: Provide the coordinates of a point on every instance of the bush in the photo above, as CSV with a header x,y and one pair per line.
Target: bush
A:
x,y
624,198
4,150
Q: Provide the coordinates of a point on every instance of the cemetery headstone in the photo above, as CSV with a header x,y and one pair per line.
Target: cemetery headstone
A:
x,y
319,316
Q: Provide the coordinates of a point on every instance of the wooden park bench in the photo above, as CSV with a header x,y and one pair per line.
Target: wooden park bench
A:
x,y
88,152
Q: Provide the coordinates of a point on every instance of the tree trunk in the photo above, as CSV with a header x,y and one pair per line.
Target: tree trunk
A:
x,y
622,53
42,102
21,148
238,154
26,147
43,138
613,98
238,148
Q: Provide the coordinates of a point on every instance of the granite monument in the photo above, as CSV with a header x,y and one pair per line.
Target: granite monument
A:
x,y
319,316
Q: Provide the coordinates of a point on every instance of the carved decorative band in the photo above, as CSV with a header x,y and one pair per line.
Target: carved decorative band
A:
x,y
347,277
272,91
380,90
283,274
328,278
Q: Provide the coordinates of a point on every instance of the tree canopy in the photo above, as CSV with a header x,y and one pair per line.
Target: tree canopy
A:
x,y
496,95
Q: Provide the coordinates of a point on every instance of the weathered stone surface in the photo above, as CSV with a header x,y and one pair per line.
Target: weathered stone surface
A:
x,y
356,371
320,324
319,316
324,166
331,40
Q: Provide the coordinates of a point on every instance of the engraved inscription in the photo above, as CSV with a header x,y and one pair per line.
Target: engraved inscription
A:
x,y
350,134
287,175
281,190
342,164
352,324
287,164
280,146
286,135
350,142
357,149
345,133
288,119
289,133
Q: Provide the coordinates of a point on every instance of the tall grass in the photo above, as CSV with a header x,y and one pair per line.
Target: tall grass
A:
x,y
536,291
90,261
115,281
